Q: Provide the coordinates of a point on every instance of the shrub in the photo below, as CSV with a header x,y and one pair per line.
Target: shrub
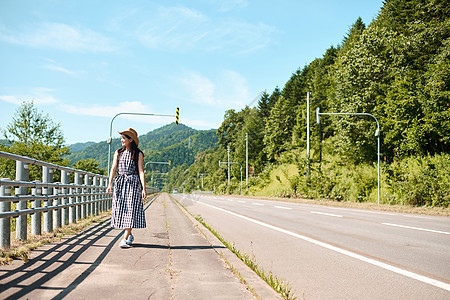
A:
x,y
421,181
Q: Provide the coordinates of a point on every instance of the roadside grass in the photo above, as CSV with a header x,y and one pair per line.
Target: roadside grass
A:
x,y
21,249
277,181
284,289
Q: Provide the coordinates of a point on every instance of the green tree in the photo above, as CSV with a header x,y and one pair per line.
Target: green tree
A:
x,y
254,128
33,134
353,35
264,105
89,165
282,122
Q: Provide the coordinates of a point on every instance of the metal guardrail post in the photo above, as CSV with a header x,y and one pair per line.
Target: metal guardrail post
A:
x,y
65,211
78,198
47,177
36,223
5,223
101,204
109,202
72,209
84,198
56,212
96,190
22,174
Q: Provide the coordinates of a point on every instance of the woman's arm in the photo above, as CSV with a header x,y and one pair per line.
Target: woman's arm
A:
x,y
141,174
112,173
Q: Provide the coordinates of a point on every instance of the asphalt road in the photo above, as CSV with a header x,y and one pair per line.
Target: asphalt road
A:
x,y
335,253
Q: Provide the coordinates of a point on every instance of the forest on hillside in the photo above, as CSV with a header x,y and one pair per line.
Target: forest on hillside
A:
x,y
396,68
177,144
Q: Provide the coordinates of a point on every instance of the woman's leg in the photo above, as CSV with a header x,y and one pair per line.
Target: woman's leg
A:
x,y
127,233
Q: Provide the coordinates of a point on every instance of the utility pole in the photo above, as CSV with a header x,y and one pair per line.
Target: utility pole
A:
x,y
246,160
233,162
228,150
307,132
201,176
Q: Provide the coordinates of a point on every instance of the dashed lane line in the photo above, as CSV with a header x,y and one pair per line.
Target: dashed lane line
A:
x,y
282,207
371,261
416,228
326,214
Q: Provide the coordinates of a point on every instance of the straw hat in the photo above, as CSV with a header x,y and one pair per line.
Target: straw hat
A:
x,y
132,134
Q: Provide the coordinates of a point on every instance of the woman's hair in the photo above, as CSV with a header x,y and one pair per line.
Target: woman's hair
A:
x,y
134,152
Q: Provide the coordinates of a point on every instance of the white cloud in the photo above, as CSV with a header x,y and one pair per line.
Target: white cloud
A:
x,y
242,37
11,99
104,111
199,89
182,29
171,27
228,90
109,111
39,95
59,69
227,5
60,36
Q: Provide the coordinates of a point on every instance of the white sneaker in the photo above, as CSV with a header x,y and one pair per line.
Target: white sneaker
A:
x,y
124,244
130,239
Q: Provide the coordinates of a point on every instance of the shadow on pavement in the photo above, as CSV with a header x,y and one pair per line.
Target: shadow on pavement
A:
x,y
49,263
152,246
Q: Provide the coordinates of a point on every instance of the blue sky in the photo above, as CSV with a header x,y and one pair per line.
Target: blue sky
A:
x,y
84,61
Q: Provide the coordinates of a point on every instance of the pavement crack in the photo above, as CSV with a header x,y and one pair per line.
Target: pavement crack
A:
x,y
169,269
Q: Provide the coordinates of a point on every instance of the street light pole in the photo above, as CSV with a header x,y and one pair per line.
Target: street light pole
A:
x,y
377,134
109,140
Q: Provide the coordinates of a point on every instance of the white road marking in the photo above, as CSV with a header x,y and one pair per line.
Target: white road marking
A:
x,y
326,214
282,207
374,262
240,201
416,228
255,203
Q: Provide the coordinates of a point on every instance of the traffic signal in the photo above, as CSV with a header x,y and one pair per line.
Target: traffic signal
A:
x,y
177,116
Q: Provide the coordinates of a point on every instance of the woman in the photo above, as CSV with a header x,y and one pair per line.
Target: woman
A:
x,y
129,187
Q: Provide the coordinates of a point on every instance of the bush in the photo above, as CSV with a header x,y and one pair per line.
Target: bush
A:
x,y
421,181
416,181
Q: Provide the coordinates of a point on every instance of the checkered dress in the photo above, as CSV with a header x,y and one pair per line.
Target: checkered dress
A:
x,y
127,206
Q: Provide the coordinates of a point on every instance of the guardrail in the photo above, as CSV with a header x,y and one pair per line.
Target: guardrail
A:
x,y
56,203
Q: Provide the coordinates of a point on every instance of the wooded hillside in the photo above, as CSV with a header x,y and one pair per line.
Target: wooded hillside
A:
x,y
177,143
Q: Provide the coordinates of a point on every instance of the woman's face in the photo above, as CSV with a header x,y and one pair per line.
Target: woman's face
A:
x,y
126,141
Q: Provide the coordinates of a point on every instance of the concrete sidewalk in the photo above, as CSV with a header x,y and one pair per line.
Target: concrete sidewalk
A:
x,y
175,257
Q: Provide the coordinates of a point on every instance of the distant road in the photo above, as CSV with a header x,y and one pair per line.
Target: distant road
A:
x,y
335,253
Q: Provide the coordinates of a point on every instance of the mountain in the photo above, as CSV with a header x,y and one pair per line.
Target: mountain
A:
x,y
80,146
177,143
